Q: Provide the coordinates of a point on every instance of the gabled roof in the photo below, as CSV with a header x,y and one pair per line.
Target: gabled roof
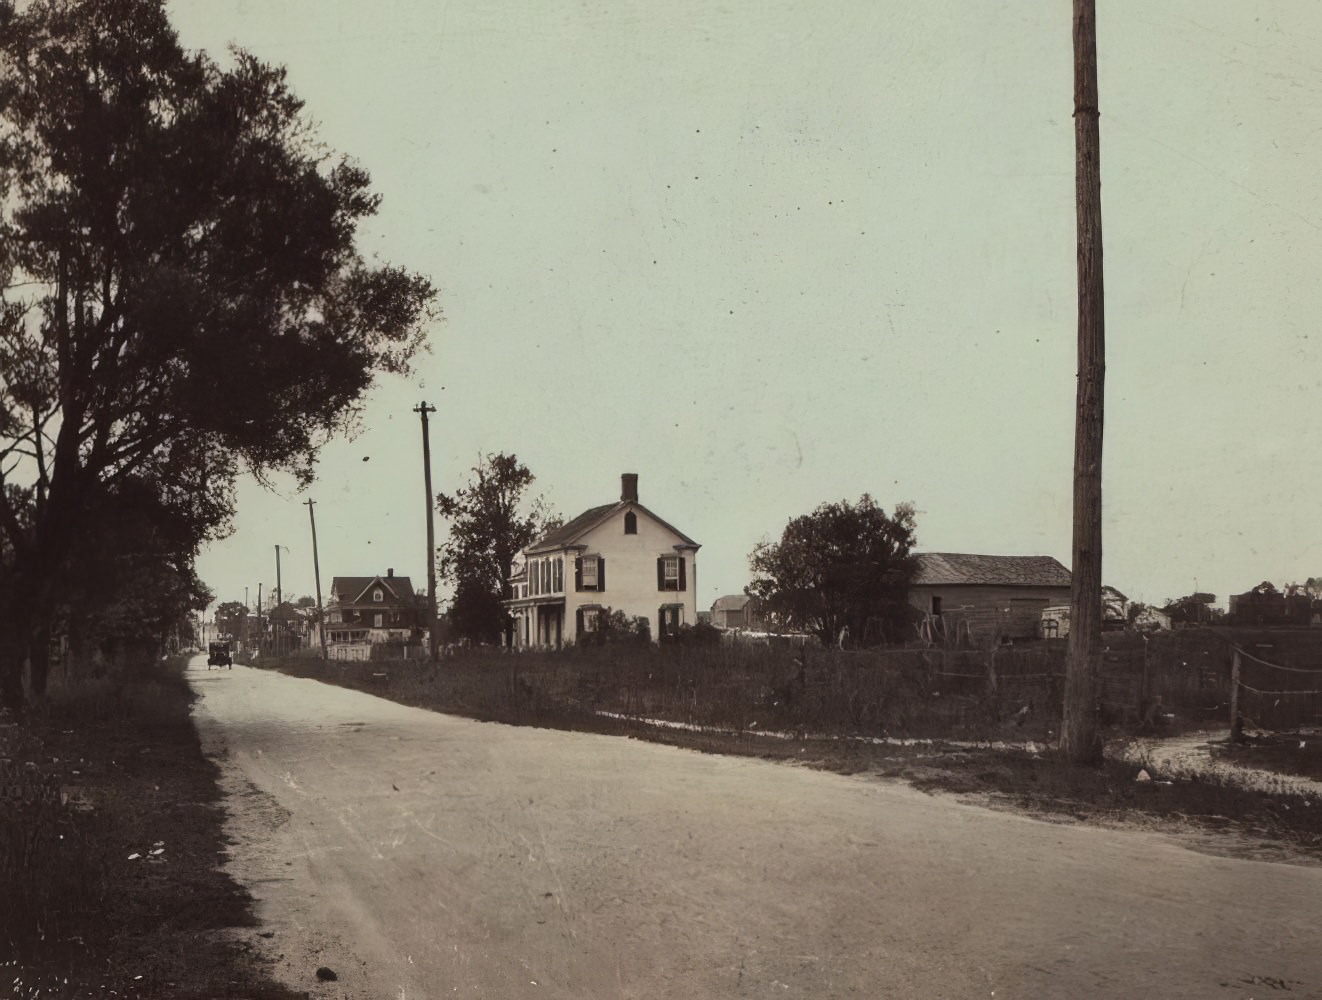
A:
x,y
731,602
573,530
354,587
960,568
567,532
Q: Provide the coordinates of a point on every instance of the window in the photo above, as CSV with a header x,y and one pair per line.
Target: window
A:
x,y
558,581
671,617
631,523
670,573
936,605
588,619
589,572
378,621
546,576
378,596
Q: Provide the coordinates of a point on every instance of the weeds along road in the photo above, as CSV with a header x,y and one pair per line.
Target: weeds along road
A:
x,y
423,855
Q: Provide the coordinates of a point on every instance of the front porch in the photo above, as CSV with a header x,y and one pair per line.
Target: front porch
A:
x,y
539,623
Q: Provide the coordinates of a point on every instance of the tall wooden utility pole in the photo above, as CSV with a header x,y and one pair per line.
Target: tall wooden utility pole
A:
x,y
433,622
279,599
316,570
1079,739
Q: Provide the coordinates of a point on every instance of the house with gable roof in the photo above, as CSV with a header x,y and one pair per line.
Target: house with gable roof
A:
x,y
986,597
616,557
366,610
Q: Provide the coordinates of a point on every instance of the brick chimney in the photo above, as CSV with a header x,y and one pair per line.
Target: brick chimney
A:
x,y
390,571
629,487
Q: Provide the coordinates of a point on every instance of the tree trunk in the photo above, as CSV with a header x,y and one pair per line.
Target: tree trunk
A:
x,y
1079,738
11,673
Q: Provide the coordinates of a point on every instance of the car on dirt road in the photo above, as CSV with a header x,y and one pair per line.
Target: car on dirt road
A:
x,y
218,655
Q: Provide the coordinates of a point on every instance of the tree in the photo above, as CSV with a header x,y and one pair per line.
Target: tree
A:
x,y
182,296
839,567
1079,739
134,584
491,521
229,619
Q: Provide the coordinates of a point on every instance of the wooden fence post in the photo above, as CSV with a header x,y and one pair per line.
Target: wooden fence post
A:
x,y
991,670
1143,680
1236,723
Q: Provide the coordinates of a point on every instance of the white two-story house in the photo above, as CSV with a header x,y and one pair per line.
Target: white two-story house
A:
x,y
617,557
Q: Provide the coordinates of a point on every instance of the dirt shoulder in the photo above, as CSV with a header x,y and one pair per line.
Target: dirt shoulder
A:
x,y
110,842
1267,824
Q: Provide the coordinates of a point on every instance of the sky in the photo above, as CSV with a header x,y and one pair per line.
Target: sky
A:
x,y
769,254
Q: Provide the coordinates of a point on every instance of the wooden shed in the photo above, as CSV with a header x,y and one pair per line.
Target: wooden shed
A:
x,y
987,597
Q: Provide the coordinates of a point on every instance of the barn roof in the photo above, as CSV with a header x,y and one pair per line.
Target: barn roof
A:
x,y
731,602
961,568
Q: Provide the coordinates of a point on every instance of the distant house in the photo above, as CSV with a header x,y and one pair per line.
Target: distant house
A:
x,y
366,610
986,597
1151,619
1264,605
1193,611
1115,617
737,611
616,557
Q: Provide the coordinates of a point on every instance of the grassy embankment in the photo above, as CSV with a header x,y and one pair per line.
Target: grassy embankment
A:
x,y
110,838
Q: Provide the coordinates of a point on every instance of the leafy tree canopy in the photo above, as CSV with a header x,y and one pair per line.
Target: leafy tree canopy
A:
x,y
491,521
229,619
182,296
842,566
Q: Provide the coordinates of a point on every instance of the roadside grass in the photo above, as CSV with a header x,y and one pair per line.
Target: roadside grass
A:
x,y
840,714
103,771
1295,754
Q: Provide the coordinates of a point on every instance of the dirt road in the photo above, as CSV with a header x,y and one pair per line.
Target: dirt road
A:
x,y
422,855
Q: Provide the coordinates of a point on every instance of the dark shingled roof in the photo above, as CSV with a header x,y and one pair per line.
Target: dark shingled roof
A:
x,y
352,586
567,532
959,568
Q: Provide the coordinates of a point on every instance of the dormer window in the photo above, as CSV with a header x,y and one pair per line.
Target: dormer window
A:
x,y
378,595
631,523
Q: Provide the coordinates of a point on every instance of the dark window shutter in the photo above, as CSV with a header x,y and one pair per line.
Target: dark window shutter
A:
x,y
601,573
578,623
578,574
661,573
681,573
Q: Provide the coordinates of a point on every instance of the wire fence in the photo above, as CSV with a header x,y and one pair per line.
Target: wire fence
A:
x,y
1277,684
